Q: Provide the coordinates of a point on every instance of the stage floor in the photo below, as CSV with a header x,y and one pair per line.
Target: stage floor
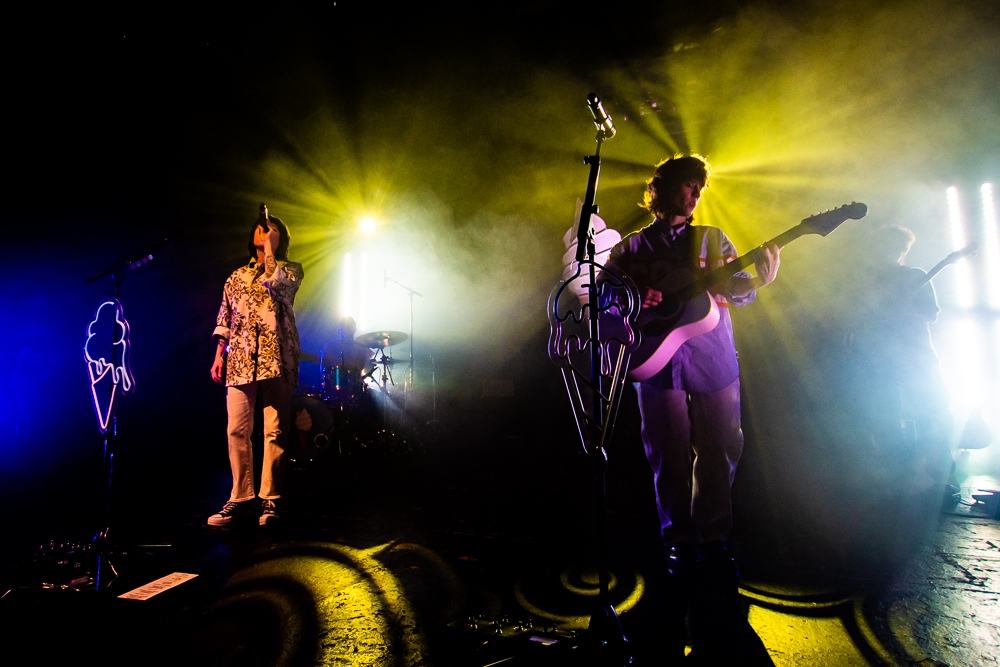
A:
x,y
480,553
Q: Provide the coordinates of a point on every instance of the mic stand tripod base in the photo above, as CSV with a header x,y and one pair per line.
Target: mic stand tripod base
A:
x,y
605,644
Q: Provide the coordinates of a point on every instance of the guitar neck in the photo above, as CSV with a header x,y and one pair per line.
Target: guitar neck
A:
x,y
722,274
933,272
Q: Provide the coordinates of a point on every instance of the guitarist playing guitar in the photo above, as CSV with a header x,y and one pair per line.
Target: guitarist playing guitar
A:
x,y
892,350
691,408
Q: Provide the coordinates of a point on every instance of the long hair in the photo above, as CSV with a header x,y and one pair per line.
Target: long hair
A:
x,y
670,174
281,252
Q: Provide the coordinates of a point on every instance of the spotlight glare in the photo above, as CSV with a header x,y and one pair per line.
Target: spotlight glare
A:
x,y
367,225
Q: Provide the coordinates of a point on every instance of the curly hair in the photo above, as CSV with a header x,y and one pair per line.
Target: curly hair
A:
x,y
281,252
671,173
891,242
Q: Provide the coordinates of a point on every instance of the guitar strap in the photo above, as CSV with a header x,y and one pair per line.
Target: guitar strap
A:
x,y
713,253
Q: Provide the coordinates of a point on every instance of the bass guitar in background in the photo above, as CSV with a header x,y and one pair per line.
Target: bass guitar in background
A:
x,y
689,309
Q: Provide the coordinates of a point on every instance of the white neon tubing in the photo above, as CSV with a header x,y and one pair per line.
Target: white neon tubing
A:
x,y
345,305
965,296
362,294
991,246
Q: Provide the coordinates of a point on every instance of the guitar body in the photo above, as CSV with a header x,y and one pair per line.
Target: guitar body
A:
x,y
666,327
688,308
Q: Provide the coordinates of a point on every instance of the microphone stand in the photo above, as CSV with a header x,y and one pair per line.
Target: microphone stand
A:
x,y
118,270
605,641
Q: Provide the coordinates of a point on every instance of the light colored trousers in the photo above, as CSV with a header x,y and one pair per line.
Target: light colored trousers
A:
x,y
693,442
277,396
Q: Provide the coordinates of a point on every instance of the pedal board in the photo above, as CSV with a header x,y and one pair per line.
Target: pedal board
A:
x,y
514,642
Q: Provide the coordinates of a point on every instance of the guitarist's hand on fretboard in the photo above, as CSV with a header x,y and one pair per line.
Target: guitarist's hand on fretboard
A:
x,y
766,259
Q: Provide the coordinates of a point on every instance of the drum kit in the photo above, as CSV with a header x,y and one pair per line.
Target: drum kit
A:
x,y
350,413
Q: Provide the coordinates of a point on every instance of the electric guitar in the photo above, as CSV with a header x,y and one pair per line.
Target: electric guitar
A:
x,y
950,259
688,308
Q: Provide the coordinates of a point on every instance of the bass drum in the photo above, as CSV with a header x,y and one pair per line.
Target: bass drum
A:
x,y
312,429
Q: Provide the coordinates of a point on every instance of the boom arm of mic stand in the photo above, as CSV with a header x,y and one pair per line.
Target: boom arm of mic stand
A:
x,y
132,259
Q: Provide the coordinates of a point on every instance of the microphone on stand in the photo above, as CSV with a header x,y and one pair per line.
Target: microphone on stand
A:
x,y
601,119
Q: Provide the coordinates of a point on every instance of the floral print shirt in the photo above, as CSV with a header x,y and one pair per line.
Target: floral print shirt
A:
x,y
258,320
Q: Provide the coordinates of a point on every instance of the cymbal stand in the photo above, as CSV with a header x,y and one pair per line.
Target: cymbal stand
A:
x,y
382,359
411,293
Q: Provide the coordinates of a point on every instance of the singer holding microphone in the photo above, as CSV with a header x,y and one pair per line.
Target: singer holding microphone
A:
x,y
257,350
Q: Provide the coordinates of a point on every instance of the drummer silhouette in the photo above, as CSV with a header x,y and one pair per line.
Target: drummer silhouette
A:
x,y
343,351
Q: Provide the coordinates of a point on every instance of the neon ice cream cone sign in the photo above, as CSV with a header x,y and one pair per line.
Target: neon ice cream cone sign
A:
x,y
107,355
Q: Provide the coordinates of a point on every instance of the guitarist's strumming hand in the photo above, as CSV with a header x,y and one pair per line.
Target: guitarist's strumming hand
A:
x,y
652,298
766,260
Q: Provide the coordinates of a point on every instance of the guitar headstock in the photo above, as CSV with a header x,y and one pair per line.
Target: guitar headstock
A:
x,y
827,221
964,252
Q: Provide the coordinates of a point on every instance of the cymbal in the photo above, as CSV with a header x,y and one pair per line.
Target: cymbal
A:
x,y
379,339
305,356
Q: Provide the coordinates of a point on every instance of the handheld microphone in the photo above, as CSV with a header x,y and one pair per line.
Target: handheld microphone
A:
x,y
601,119
262,218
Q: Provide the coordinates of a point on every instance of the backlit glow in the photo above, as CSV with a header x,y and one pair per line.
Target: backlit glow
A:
x,y
367,225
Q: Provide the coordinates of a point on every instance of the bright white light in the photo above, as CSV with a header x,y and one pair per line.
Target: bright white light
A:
x,y
363,294
368,225
345,303
990,251
959,239
968,384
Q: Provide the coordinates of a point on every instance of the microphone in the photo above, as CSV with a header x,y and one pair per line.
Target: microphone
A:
x,y
262,218
601,119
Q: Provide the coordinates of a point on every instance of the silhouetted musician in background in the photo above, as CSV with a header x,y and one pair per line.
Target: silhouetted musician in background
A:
x,y
343,351
891,345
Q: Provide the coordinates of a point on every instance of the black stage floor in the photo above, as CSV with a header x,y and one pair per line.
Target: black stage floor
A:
x,y
478,550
